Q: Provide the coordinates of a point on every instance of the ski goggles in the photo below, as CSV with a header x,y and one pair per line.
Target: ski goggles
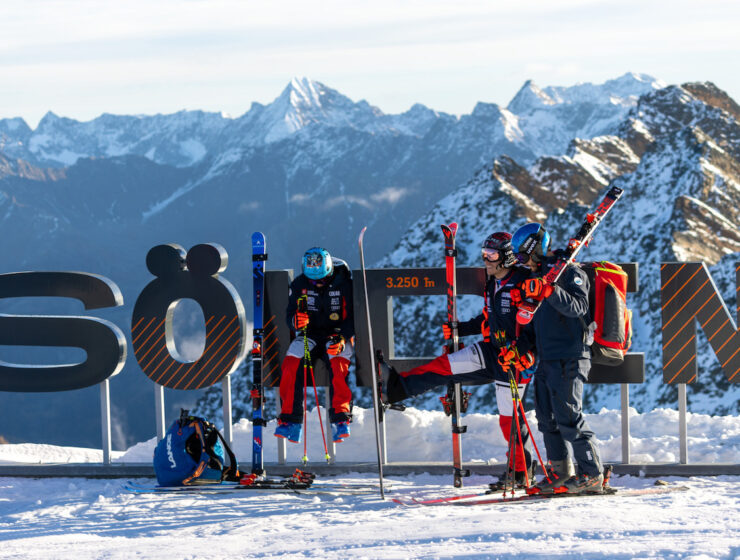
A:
x,y
314,260
491,255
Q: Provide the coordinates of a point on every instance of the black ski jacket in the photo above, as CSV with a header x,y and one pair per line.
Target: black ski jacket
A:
x,y
329,307
499,314
560,320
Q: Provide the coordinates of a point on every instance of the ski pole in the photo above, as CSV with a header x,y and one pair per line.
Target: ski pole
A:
x,y
308,366
514,385
321,422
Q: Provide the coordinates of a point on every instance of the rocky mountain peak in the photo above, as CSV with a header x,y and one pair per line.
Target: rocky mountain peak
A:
x,y
530,96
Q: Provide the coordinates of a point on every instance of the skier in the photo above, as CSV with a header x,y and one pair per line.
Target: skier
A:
x,y
319,308
485,361
564,363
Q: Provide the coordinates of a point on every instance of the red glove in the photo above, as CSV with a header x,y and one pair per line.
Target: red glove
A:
x,y
300,320
335,346
524,362
536,288
507,356
446,331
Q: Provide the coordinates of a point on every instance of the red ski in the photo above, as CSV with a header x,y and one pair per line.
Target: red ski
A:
x,y
528,308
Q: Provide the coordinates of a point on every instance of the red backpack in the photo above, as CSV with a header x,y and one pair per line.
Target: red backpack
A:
x,y
612,321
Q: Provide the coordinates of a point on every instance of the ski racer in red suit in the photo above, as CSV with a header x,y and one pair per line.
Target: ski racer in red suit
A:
x,y
488,360
564,364
319,308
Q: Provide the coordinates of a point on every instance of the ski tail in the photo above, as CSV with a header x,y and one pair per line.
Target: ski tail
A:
x,y
373,369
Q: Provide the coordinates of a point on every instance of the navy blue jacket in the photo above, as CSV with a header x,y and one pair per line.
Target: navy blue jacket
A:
x,y
559,322
499,314
329,307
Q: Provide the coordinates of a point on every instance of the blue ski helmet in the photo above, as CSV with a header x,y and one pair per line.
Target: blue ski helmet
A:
x,y
531,240
317,263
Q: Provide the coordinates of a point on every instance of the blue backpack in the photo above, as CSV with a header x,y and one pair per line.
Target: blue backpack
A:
x,y
193,452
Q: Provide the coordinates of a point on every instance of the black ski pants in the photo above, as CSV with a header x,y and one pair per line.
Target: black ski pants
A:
x,y
558,395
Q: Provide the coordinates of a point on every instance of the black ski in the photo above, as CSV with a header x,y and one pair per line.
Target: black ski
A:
x,y
373,368
528,308
455,390
259,256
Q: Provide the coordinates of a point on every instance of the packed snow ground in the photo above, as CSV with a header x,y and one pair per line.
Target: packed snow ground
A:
x,y
81,519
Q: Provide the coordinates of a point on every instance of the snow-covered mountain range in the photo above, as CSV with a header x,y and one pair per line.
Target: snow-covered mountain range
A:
x,y
313,166
676,155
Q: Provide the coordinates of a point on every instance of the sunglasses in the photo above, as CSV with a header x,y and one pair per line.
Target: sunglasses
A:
x,y
491,255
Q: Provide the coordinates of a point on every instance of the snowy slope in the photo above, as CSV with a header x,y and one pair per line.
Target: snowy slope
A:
x,y
78,518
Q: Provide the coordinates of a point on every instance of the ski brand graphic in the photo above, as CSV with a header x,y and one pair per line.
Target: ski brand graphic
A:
x,y
170,456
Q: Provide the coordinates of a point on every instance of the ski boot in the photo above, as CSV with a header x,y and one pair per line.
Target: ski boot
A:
x,y
391,388
557,472
520,481
340,431
583,484
289,430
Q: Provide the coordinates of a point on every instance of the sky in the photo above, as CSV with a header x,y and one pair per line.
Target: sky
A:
x,y
82,58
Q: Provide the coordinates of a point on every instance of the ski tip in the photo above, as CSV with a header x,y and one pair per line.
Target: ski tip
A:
x,y
362,233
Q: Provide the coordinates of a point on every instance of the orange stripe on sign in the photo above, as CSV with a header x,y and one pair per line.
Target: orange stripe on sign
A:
x,y
679,351
156,356
686,323
718,329
692,379
272,332
174,373
682,287
734,374
272,317
712,317
683,368
210,345
687,302
725,344
216,353
137,323
152,347
159,365
153,333
172,363
727,361
273,343
143,330
680,268
269,374
226,368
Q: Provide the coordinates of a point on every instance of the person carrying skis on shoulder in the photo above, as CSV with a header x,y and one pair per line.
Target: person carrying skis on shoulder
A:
x,y
485,361
319,309
564,364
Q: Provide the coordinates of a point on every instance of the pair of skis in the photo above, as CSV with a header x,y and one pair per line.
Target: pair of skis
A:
x,y
486,498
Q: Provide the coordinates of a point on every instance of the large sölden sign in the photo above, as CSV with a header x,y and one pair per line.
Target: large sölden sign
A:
x,y
688,297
